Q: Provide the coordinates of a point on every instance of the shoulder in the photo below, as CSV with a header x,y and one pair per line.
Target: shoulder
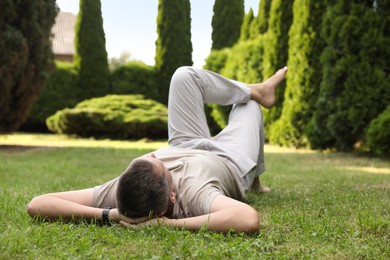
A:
x,y
105,195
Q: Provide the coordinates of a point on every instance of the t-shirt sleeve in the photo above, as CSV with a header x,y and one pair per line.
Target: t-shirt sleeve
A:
x,y
202,201
105,195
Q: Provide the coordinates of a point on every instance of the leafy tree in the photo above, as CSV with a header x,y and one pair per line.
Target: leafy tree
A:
x,y
26,57
355,88
115,63
226,22
276,51
173,46
91,54
304,76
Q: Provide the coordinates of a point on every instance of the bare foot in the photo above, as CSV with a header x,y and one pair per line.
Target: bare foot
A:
x,y
264,189
264,92
257,187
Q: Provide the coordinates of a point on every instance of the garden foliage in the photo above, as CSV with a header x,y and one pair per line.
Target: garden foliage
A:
x,y
226,23
26,57
112,116
378,134
135,77
173,45
260,23
276,51
91,54
355,88
304,75
335,94
61,91
246,25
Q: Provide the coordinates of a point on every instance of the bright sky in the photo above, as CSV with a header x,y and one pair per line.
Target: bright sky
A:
x,y
130,26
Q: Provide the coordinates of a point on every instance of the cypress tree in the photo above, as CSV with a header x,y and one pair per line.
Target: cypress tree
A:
x,y
245,28
25,58
226,22
260,23
173,45
276,51
355,88
91,54
304,76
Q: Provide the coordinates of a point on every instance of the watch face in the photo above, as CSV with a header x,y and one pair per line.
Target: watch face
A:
x,y
105,219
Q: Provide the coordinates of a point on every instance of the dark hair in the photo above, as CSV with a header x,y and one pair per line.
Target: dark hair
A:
x,y
142,190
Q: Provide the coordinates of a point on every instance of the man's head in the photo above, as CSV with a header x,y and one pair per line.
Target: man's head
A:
x,y
145,188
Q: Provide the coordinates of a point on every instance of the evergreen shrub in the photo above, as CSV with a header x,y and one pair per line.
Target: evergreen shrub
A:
x,y
60,92
226,22
216,60
245,62
355,87
276,52
91,55
173,45
135,77
378,134
112,116
305,46
26,57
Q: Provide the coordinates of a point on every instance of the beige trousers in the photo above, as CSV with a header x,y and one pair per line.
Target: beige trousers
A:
x,y
241,142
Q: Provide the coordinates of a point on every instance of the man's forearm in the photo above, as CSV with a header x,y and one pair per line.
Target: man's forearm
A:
x,y
235,219
53,208
220,221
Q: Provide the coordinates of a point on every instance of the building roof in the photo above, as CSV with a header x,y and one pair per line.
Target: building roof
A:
x,y
63,34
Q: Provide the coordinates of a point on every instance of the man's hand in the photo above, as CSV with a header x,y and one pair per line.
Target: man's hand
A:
x,y
116,217
144,222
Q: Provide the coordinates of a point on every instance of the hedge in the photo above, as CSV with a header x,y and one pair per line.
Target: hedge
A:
x,y
378,134
61,91
135,77
112,116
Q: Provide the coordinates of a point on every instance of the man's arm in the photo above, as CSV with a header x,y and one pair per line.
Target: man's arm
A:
x,y
226,214
68,205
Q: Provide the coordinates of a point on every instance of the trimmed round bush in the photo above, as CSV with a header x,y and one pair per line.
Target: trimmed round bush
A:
x,y
113,116
378,134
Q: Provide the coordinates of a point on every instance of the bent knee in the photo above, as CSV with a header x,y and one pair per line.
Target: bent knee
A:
x,y
183,70
182,74
255,109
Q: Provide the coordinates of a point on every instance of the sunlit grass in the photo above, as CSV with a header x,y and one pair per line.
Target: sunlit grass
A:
x,y
322,205
51,140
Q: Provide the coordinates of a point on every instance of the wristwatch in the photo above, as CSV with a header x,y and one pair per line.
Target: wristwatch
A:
x,y
105,220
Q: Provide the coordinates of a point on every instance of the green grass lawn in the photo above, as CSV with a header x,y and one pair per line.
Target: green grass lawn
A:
x,y
323,205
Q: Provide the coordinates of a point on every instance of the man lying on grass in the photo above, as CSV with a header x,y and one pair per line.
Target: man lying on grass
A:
x,y
199,181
